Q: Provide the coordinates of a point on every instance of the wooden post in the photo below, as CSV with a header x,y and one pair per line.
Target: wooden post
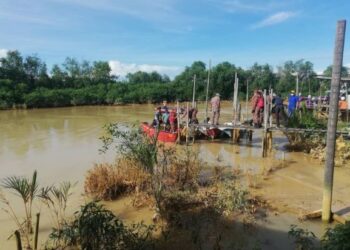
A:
x,y
239,112
235,100
18,240
235,133
206,97
269,141
347,103
270,107
265,110
264,138
297,85
187,122
250,135
194,91
263,146
332,121
36,235
246,101
178,121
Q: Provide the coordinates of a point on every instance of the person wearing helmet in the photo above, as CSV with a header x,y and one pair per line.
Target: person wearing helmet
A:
x,y
309,103
292,103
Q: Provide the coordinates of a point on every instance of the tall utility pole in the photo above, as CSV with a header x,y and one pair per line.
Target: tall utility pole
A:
x,y
347,99
332,121
235,101
246,101
297,86
194,91
206,97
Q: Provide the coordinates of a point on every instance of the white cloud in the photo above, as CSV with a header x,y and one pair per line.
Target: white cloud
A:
x,y
238,6
249,5
155,10
122,69
3,52
276,18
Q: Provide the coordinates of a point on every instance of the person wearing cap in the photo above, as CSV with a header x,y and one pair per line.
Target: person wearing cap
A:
x,y
292,103
215,109
343,106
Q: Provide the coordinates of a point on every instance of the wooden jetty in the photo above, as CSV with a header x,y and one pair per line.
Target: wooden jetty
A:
x,y
236,131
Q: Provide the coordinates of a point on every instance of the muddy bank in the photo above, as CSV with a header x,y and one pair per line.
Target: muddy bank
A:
x,y
62,144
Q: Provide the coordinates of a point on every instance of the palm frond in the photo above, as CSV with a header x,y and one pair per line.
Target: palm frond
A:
x,y
19,185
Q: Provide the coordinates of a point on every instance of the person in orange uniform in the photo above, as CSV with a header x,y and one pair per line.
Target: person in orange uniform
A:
x,y
343,106
172,120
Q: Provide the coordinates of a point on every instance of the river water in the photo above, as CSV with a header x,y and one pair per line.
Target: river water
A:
x,y
63,143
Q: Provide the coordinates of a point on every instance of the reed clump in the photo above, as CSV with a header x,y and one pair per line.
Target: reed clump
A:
x,y
342,155
109,181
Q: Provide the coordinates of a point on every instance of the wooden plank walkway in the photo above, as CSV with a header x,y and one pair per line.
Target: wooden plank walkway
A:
x,y
247,127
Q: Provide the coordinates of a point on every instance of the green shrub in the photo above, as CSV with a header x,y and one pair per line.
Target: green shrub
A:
x,y
95,227
337,238
303,239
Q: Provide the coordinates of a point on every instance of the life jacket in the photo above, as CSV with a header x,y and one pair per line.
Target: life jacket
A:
x,y
260,103
343,105
172,116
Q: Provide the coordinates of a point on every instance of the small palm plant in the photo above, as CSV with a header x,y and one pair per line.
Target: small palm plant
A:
x,y
26,189
56,198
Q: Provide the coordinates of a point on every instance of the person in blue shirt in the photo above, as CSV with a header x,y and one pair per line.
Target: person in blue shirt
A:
x,y
292,103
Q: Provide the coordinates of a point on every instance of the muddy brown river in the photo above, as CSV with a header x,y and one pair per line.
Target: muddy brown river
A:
x,y
62,144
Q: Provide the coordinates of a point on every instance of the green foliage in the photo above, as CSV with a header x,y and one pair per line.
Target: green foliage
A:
x,y
131,144
95,227
329,69
303,239
232,197
144,77
85,83
27,189
337,238
287,77
56,198
303,118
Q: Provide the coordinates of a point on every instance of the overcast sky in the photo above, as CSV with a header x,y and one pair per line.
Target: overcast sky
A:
x,y
167,35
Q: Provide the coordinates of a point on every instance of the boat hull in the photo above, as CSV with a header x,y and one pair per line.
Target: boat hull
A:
x,y
163,136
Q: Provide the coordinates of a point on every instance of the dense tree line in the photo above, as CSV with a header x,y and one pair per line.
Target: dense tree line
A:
x,y
26,82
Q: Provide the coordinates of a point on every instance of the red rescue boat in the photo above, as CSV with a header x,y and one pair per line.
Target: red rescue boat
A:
x,y
163,136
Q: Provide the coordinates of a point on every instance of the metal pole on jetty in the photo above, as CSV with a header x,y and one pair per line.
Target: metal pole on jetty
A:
x,y
332,121
187,122
178,121
235,102
194,90
206,97
348,103
270,107
297,85
246,102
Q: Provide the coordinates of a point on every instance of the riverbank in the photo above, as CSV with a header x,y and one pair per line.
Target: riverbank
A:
x,y
62,144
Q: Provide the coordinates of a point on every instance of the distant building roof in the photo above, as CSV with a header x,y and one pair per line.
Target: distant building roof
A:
x,y
344,79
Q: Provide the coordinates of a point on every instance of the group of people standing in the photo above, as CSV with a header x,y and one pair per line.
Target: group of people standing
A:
x,y
258,105
166,118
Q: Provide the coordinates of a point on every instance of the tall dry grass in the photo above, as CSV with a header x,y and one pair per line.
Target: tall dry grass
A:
x,y
109,181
